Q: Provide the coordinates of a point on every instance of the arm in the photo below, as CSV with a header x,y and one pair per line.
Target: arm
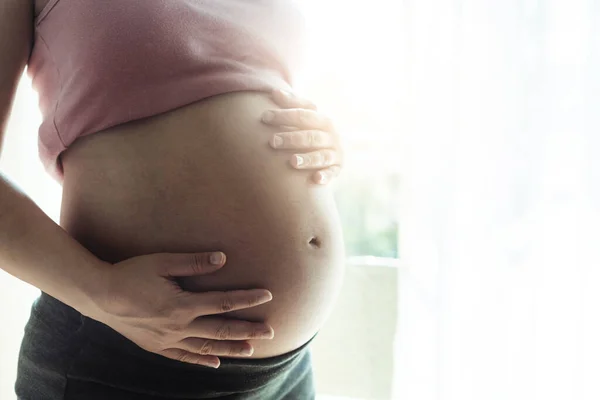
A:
x,y
32,247
36,250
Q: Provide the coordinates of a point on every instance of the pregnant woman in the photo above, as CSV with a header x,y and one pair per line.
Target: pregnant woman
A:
x,y
199,249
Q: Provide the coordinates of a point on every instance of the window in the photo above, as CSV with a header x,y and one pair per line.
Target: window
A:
x,y
354,78
367,203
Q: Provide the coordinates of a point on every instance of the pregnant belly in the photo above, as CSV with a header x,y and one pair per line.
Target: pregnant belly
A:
x,y
203,178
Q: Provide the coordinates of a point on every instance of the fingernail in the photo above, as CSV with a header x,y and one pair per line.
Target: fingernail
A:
x,y
299,160
267,296
268,116
322,177
247,351
277,141
267,334
216,258
285,93
214,364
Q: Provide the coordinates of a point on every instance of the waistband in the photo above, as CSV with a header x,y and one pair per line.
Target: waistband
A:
x,y
109,357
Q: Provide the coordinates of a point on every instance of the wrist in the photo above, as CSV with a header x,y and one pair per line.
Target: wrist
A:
x,y
91,288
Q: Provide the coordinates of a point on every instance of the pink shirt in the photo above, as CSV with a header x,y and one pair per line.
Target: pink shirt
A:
x,y
100,63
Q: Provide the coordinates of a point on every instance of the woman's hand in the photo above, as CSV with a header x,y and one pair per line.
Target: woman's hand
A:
x,y
317,136
141,299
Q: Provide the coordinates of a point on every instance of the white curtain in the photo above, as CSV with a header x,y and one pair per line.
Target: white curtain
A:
x,y
500,226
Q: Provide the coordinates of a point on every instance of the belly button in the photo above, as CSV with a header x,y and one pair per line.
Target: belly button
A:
x,y
314,242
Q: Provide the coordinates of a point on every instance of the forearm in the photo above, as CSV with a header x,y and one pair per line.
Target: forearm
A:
x,y
36,250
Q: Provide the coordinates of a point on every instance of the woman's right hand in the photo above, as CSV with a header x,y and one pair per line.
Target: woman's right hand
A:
x,y
141,299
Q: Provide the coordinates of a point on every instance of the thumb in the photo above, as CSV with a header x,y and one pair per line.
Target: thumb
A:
x,y
193,264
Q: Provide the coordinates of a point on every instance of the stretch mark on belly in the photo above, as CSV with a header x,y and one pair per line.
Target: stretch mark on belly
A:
x,y
315,242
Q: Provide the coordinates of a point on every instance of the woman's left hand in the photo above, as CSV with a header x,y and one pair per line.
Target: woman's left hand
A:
x,y
315,135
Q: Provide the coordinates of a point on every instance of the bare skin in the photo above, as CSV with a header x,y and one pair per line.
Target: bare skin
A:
x,y
203,178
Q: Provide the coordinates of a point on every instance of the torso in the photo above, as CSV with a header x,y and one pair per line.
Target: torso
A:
x,y
203,178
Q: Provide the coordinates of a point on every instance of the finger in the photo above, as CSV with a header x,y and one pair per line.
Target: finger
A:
x,y
174,265
218,302
191,358
285,99
326,175
228,329
307,139
216,347
298,117
316,159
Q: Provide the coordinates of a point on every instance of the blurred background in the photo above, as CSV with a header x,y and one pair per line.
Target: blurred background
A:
x,y
469,201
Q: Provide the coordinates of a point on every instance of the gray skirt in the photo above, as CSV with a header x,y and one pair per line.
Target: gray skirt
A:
x,y
65,355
